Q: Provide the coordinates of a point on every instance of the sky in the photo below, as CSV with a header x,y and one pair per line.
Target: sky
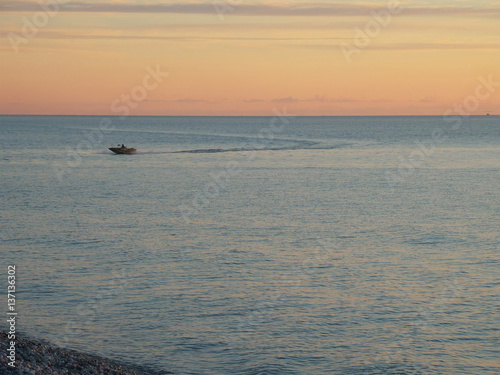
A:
x,y
238,57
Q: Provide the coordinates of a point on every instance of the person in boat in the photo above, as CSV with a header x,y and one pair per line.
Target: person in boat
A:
x,y
123,146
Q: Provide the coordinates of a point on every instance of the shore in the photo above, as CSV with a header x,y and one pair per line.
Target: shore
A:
x,y
35,357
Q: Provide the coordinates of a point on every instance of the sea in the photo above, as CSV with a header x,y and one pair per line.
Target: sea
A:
x,y
257,245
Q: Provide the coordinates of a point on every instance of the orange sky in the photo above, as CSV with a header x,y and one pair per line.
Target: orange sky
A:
x,y
92,57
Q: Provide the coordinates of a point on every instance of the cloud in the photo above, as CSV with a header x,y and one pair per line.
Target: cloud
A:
x,y
408,46
307,43
295,9
181,101
83,34
326,99
428,99
288,99
253,100
189,101
439,46
316,98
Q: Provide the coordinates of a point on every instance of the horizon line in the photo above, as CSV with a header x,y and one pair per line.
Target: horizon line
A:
x,y
65,115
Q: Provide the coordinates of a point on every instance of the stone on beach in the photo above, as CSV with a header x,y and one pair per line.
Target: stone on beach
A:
x,y
34,357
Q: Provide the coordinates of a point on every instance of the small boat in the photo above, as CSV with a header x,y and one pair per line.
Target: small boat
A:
x,y
122,150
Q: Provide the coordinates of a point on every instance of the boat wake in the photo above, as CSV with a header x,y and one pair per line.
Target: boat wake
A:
x,y
290,146
300,145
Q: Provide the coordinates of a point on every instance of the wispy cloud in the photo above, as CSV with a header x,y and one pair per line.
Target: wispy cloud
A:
x,y
288,99
296,9
317,43
410,46
83,34
326,99
316,98
428,99
438,46
253,100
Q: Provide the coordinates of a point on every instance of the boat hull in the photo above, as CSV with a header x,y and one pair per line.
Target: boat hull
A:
x,y
119,150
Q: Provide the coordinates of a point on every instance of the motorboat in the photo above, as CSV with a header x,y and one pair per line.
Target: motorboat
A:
x,y
122,150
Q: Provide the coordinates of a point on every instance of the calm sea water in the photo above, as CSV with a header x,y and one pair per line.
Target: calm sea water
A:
x,y
332,245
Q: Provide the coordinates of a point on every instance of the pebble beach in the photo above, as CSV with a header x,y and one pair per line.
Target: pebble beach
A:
x,y
35,357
